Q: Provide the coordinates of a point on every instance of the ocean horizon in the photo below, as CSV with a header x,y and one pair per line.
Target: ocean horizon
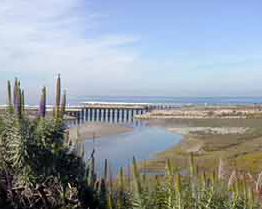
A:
x,y
169,99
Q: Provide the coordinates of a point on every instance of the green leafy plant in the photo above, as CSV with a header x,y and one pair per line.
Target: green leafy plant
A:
x,y
37,169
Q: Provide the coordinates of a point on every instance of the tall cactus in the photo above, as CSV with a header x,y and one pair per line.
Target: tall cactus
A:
x,y
138,201
22,102
18,104
169,181
120,185
63,105
42,105
57,96
103,190
9,93
105,170
91,177
178,191
17,98
15,93
193,175
110,196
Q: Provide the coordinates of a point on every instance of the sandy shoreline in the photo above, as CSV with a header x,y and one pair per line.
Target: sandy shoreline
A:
x,y
206,112
238,141
212,130
95,130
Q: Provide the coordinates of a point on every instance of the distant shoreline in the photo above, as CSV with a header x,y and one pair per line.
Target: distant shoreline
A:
x,y
206,112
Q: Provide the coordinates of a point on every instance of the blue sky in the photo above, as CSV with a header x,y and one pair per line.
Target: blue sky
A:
x,y
136,47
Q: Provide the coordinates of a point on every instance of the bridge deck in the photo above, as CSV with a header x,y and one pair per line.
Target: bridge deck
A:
x,y
118,105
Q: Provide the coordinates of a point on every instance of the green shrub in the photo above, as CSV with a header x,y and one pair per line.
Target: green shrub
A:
x,y
37,168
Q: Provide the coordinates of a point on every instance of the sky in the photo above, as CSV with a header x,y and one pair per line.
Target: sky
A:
x,y
136,47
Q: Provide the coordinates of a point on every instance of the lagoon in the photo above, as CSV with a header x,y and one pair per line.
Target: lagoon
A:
x,y
141,142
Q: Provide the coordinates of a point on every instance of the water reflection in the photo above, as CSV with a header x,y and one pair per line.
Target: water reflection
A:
x,y
119,149
109,116
118,116
142,142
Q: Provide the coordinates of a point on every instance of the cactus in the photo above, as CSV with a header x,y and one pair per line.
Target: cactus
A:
x,y
105,170
9,93
139,201
91,177
120,186
15,92
250,197
42,105
110,197
22,102
178,191
59,109
245,191
57,97
103,193
193,176
18,107
103,190
17,98
203,181
169,182
168,168
63,105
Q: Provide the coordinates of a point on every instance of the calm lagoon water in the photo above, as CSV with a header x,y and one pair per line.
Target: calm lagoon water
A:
x,y
142,142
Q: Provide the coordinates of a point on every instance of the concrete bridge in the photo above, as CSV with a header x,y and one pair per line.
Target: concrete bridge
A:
x,y
112,111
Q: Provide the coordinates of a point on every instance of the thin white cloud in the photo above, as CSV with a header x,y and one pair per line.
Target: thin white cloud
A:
x,y
59,36
41,38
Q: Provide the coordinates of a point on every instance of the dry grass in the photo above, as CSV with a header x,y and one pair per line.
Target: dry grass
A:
x,y
242,151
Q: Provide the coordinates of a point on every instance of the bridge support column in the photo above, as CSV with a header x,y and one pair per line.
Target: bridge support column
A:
x,y
113,115
132,115
99,114
95,114
127,115
123,115
108,114
90,114
82,114
117,114
102,117
86,114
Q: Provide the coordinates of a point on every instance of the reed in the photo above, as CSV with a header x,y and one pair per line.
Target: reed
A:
x,y
199,190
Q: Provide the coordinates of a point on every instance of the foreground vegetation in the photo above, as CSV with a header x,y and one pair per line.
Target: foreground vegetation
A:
x,y
38,169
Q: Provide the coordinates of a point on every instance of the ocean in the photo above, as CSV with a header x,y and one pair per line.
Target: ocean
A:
x,y
167,100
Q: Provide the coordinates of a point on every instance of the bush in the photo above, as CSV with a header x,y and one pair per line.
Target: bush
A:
x,y
37,168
